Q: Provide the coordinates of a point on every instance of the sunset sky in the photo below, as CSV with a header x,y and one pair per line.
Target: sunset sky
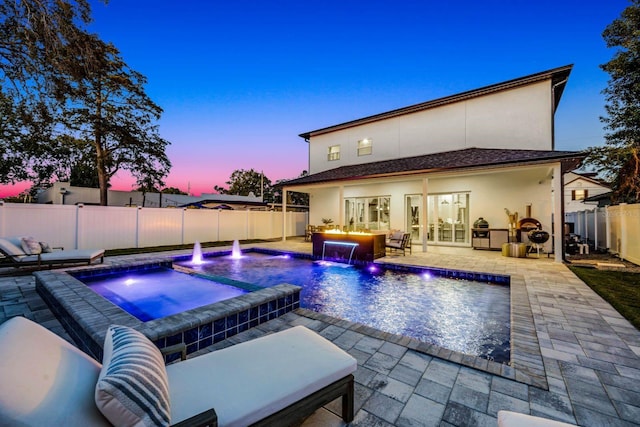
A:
x,y
239,80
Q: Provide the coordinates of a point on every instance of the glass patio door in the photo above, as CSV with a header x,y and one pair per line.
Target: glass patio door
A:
x,y
448,217
413,208
368,213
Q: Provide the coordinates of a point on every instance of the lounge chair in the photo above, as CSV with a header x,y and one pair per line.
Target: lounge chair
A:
x,y
278,379
13,249
399,241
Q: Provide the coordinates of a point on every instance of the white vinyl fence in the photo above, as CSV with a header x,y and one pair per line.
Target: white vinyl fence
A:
x,y
616,228
590,225
109,227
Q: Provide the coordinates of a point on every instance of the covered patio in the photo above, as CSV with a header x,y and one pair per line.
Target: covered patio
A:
x,y
438,197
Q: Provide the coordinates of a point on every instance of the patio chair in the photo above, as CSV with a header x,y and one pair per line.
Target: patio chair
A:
x,y
278,379
309,232
28,252
399,241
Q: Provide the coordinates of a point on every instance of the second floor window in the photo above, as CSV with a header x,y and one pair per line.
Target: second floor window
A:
x,y
334,153
579,194
364,147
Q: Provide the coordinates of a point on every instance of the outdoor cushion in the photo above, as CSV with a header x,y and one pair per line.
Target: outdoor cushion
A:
x,y
60,256
396,235
246,382
12,246
45,380
394,244
30,246
132,389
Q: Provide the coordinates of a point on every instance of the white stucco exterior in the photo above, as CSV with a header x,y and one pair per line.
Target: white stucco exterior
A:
x,y
438,203
514,118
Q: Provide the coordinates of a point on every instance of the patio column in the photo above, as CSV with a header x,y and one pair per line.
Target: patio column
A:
x,y
423,214
341,207
284,214
558,213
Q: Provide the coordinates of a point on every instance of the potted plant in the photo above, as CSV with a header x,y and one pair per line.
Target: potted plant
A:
x,y
327,222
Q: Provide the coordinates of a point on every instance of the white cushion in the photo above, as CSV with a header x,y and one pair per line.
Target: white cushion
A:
x,y
11,246
72,254
515,419
132,389
44,379
30,246
397,235
247,382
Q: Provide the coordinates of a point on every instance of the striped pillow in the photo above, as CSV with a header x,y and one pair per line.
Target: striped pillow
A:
x,y
132,388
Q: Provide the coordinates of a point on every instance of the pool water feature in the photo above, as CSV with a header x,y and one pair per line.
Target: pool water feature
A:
x,y
466,316
160,292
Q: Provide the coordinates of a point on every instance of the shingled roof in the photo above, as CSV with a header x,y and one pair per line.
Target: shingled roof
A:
x,y
469,158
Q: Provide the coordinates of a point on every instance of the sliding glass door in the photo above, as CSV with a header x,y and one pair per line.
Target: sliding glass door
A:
x,y
368,213
448,218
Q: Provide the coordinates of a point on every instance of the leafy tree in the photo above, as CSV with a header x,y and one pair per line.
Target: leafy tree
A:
x,y
110,108
173,190
619,160
78,88
242,182
33,36
293,197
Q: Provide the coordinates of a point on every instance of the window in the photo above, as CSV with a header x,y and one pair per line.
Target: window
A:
x,y
368,213
334,153
364,147
579,194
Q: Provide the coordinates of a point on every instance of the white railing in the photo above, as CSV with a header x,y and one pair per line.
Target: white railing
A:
x,y
616,228
109,227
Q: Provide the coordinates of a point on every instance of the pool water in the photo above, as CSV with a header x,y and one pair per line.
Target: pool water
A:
x,y
159,292
461,315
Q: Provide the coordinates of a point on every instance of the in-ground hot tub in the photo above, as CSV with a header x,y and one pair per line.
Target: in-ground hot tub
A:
x,y
86,315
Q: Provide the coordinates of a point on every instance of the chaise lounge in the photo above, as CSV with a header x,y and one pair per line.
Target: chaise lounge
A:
x,y
278,379
27,252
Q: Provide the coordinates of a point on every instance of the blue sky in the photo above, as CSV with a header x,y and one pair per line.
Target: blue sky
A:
x,y
239,80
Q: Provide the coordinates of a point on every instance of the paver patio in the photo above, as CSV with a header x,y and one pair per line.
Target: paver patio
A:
x,y
574,358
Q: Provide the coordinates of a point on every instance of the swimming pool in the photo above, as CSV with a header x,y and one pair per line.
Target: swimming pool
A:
x,y
159,292
462,315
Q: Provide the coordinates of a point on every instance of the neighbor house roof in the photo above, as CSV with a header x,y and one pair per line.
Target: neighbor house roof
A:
x,y
587,177
469,158
558,77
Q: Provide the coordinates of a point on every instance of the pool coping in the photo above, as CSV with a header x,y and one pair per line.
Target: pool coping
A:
x,y
526,365
526,359
86,316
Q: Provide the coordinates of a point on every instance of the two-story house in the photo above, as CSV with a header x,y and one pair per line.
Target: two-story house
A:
x,y
434,168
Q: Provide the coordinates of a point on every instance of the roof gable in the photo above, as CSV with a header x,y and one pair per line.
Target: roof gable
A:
x,y
558,77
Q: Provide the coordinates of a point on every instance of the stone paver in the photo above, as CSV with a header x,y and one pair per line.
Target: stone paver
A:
x,y
574,358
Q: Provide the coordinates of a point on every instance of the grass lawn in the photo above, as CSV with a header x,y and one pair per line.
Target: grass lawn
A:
x,y
620,288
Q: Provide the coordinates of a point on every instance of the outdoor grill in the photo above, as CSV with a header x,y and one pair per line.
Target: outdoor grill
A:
x,y
538,238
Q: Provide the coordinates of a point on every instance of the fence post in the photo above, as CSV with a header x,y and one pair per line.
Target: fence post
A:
x,y
595,228
182,226
79,229
3,213
138,210
623,230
